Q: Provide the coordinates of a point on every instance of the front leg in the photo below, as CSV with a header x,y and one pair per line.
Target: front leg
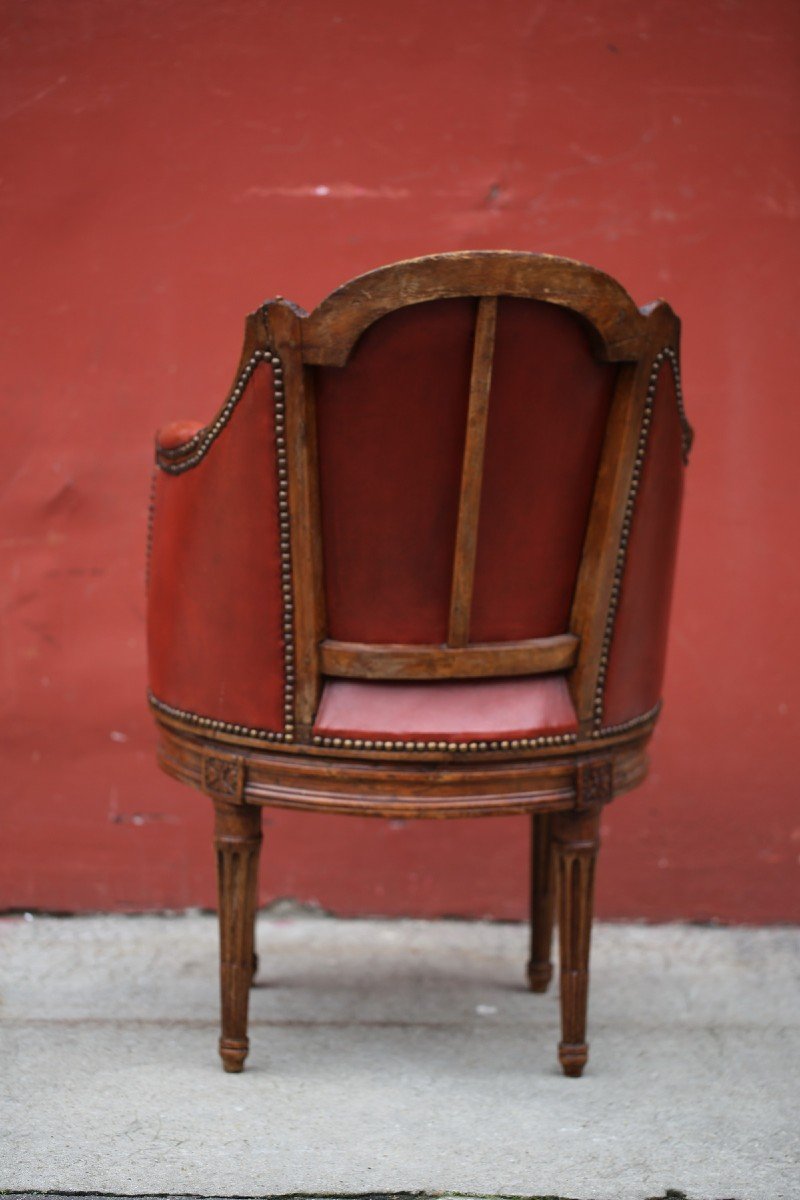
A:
x,y
237,838
576,837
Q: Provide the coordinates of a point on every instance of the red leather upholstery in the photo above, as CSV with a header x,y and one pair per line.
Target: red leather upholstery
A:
x,y
214,604
391,429
458,710
391,435
391,438
638,648
177,433
547,415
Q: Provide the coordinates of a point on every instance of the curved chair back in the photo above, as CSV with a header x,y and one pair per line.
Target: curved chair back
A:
x,y
473,468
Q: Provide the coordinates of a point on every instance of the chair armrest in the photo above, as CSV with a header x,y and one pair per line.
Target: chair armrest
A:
x,y
640,619
177,434
215,594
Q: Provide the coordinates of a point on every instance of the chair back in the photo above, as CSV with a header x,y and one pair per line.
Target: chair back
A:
x,y
479,471
458,451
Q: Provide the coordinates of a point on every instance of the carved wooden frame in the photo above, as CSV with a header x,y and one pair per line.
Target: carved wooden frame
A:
x,y
293,342
561,780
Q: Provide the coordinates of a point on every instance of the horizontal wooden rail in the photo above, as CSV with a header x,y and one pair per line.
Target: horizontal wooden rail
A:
x,y
357,660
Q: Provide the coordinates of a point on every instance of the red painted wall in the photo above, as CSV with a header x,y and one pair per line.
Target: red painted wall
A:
x,y
168,163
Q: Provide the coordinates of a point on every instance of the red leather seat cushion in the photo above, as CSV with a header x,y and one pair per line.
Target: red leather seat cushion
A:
x,y
449,709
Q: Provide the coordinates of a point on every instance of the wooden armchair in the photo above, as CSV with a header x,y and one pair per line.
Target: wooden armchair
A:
x,y
419,565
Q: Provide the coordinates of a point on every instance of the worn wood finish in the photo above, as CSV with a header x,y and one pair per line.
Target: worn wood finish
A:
x,y
356,660
237,836
615,324
576,837
402,789
469,502
597,576
561,781
307,606
540,968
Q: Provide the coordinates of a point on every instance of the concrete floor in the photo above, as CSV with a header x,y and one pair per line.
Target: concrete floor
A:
x,y
397,1056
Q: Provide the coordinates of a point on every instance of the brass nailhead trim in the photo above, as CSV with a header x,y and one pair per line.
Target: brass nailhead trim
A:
x,y
687,433
184,447
193,718
151,516
197,447
342,743
667,354
626,726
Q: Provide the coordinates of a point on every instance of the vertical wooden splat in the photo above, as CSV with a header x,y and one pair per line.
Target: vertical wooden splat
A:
x,y
472,473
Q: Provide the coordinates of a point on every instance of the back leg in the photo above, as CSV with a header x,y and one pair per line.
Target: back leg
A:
x,y
238,843
540,967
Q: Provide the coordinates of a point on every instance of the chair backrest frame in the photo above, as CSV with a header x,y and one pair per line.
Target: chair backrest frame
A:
x,y
619,333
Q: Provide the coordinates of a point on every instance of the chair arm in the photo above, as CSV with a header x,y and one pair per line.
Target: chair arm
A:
x,y
177,434
639,620
215,596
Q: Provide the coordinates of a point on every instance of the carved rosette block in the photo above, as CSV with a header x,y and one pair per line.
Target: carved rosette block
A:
x,y
540,968
223,777
238,844
595,783
576,836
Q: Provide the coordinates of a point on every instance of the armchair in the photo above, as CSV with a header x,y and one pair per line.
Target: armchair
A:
x,y
419,565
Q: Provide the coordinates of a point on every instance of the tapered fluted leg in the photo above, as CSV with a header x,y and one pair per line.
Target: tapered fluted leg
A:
x,y
540,968
238,842
576,842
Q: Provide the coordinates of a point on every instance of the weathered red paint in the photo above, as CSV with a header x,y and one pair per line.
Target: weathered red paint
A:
x,y
165,166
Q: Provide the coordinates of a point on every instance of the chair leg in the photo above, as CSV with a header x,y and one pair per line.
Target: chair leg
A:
x,y
238,842
540,968
576,837
253,927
